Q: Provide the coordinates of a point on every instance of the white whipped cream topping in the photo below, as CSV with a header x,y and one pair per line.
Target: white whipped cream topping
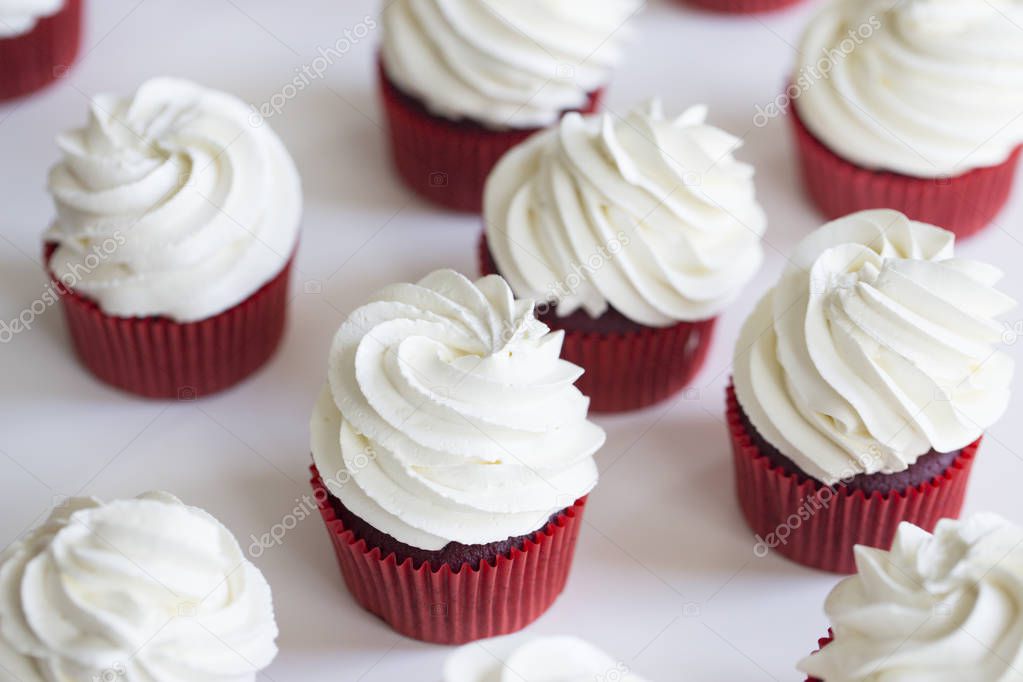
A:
x,y
503,64
449,416
927,88
142,590
876,346
171,203
18,17
941,608
650,215
547,659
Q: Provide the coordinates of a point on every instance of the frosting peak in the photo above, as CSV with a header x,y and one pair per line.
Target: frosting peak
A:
x,y
946,607
650,215
450,416
148,590
503,64
194,207
876,346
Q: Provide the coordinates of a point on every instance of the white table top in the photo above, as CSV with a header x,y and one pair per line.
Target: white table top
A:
x,y
665,576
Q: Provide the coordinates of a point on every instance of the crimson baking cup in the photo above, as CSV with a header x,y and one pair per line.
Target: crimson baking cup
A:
x,y
963,204
743,6
818,525
35,59
445,606
156,357
821,643
632,369
444,161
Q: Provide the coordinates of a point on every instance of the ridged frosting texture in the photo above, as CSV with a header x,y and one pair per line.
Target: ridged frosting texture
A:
x,y
546,659
141,590
18,17
503,64
941,608
650,215
172,203
876,346
449,416
927,88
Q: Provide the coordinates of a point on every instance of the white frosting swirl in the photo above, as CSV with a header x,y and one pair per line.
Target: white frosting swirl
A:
x,y
876,346
941,608
503,64
18,17
449,416
650,215
927,88
547,659
144,590
171,203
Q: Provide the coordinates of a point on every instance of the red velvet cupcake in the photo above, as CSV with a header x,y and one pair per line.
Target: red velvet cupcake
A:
x,y
634,235
461,89
935,607
743,6
177,222
891,109
39,41
863,383
453,458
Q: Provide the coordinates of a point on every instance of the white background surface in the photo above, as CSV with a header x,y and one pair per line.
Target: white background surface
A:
x,y
665,577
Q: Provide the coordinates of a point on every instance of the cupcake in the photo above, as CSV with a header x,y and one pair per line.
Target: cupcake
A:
x,y
462,83
177,222
142,589
39,41
936,607
912,106
863,383
453,458
546,659
635,234
743,6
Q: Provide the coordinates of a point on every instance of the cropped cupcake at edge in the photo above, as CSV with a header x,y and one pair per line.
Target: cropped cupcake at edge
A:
x,y
635,234
863,383
742,6
546,659
912,106
177,222
463,82
39,41
453,458
141,589
942,607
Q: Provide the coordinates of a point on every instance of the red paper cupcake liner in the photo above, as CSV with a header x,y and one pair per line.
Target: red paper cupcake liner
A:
x,y
156,357
821,643
743,6
446,162
629,370
448,607
822,535
964,204
34,60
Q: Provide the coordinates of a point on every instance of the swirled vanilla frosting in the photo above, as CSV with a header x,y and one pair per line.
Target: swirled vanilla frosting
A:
x,y
449,416
941,608
175,202
18,17
876,346
503,64
650,215
927,88
141,590
546,659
